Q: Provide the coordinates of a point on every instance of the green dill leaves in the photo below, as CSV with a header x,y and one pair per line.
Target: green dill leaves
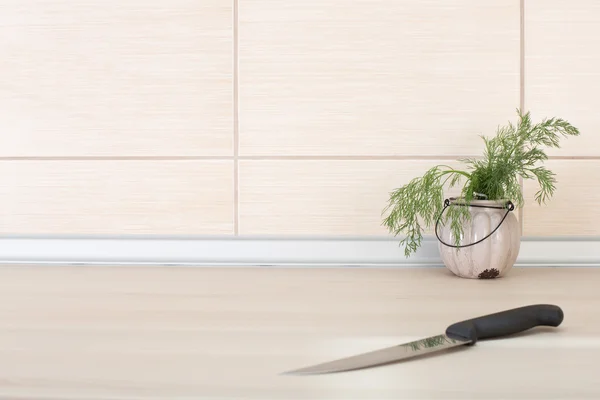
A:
x,y
419,203
515,152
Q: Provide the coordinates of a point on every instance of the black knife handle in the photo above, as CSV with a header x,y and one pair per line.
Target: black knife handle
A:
x,y
506,323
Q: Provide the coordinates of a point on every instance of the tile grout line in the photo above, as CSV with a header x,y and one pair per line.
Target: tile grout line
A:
x,y
265,158
236,136
522,88
115,158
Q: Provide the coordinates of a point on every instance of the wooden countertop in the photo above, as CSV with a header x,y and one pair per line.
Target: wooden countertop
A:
x,y
228,333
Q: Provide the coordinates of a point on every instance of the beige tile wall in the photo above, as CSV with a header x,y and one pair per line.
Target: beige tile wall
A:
x,y
117,196
112,78
278,117
562,77
375,77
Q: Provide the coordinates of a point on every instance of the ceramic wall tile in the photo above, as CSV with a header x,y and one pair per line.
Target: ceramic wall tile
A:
x,y
113,78
320,197
116,197
562,68
376,77
573,209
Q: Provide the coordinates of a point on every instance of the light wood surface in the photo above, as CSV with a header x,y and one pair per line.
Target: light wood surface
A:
x,y
375,77
573,210
352,98
227,333
113,78
116,197
562,68
339,197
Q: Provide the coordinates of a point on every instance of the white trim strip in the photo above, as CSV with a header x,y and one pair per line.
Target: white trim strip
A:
x,y
265,251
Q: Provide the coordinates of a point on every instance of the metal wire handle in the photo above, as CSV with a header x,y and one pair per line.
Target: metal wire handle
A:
x,y
511,207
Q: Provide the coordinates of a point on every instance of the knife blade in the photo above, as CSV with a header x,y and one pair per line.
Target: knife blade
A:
x,y
468,332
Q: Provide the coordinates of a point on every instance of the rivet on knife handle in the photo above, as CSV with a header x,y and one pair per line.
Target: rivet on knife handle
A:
x,y
506,323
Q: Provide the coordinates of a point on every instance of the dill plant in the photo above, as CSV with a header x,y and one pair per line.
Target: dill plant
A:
x,y
516,151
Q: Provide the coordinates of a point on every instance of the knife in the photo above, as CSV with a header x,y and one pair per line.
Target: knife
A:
x,y
466,332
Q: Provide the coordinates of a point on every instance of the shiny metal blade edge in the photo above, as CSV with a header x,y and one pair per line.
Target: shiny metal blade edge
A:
x,y
383,356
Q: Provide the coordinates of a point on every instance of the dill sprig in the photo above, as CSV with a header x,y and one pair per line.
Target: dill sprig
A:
x,y
515,151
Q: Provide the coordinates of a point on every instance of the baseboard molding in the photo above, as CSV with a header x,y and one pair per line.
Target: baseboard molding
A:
x,y
269,251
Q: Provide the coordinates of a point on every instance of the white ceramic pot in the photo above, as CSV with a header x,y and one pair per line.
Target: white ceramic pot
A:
x,y
492,257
